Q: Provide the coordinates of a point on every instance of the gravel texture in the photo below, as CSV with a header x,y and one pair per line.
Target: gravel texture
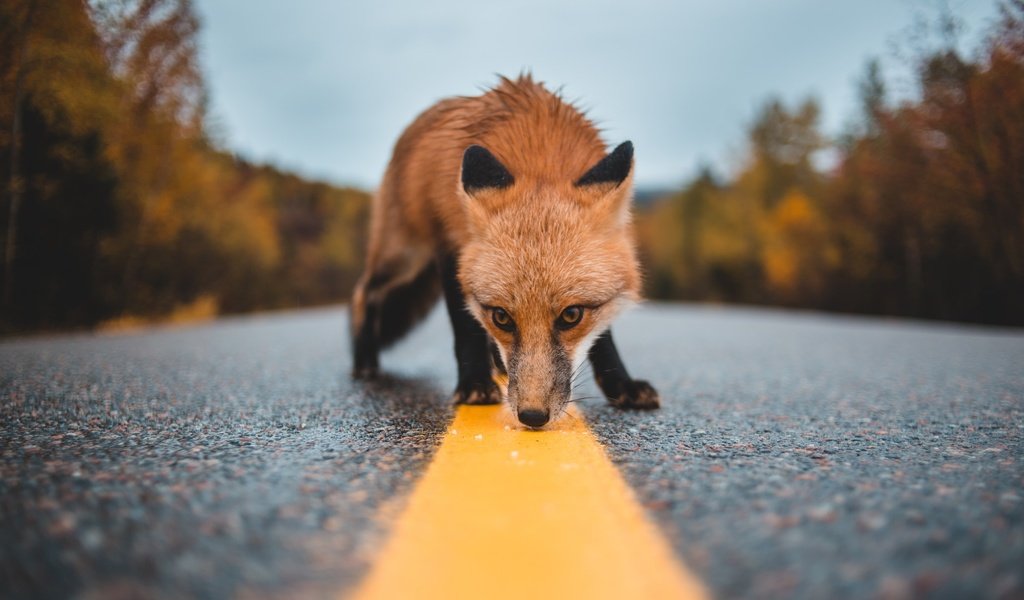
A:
x,y
796,455
231,459
810,456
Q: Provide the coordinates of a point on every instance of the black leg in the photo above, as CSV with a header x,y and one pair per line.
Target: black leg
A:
x,y
621,390
472,344
366,341
365,347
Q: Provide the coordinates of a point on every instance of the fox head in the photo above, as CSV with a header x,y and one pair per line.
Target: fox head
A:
x,y
546,268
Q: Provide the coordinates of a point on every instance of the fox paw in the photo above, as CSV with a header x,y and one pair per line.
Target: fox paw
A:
x,y
636,393
476,392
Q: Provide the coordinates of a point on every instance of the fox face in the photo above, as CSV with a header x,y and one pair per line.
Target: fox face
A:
x,y
546,268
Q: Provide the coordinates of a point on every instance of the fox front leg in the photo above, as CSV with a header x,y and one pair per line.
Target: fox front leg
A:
x,y
621,390
472,344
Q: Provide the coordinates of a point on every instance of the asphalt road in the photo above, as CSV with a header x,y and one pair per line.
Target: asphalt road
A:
x,y
796,455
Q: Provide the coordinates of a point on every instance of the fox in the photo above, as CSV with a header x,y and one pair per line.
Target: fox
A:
x,y
510,206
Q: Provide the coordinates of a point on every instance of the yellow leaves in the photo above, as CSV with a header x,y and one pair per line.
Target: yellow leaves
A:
x,y
729,232
338,243
795,213
797,251
60,66
739,245
130,197
163,219
780,264
249,225
237,215
661,236
199,310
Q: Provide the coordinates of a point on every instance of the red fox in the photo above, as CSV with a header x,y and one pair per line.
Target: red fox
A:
x,y
508,203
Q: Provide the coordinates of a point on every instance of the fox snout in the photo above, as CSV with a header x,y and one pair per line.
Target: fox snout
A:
x,y
539,383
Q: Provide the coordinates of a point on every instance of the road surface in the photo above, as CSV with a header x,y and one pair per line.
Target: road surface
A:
x,y
796,454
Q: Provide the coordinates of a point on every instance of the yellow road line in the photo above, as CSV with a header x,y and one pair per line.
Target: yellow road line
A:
x,y
504,513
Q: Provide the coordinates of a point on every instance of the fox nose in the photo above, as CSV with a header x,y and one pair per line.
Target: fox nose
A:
x,y
532,417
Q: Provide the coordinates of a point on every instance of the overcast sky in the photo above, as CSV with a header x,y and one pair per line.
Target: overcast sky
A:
x,y
324,87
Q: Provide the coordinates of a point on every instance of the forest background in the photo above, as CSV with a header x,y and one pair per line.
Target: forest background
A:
x,y
119,207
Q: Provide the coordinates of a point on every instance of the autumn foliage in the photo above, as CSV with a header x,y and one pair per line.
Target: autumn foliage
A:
x,y
923,215
117,207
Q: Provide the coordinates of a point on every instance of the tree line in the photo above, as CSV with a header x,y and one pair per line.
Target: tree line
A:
x,y
119,207
922,214
117,204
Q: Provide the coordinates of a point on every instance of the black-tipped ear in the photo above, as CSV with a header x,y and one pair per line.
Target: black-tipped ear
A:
x,y
481,170
613,168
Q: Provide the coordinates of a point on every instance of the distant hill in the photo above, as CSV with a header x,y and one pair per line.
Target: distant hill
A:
x,y
645,196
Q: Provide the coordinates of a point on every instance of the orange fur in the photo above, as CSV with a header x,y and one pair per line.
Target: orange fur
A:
x,y
533,248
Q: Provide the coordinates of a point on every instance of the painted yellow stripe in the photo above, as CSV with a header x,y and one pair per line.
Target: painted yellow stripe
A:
x,y
505,513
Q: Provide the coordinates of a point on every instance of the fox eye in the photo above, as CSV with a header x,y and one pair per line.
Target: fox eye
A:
x,y
502,319
570,317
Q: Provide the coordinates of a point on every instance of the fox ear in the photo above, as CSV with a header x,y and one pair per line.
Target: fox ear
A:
x,y
613,168
481,170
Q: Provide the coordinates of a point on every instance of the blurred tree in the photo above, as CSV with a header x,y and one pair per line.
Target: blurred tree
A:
x,y
671,241
152,49
929,198
922,216
57,97
972,119
19,20
871,91
49,63
69,211
693,208
711,240
783,144
799,254
117,204
152,46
